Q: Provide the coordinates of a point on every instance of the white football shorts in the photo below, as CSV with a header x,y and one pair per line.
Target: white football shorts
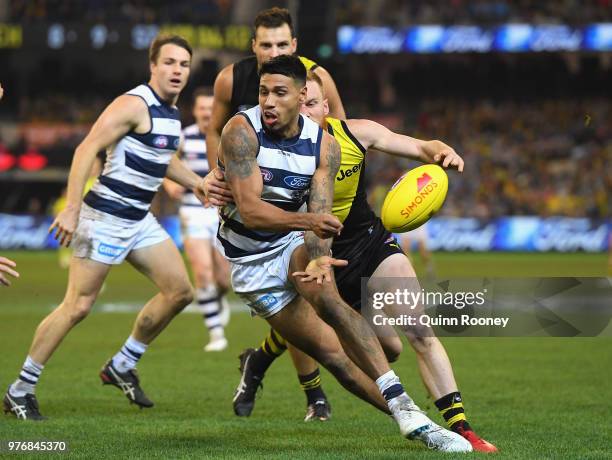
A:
x,y
199,222
263,284
109,240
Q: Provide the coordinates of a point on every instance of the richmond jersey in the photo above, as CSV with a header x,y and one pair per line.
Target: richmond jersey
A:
x,y
350,200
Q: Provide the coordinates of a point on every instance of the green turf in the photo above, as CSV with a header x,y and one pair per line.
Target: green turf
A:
x,y
534,397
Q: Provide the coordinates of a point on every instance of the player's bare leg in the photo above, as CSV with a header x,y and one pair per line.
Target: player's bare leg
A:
x,y
84,282
396,272
364,349
222,281
300,324
356,336
162,264
200,255
85,279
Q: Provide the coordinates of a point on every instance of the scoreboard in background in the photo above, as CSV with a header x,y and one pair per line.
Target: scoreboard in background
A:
x,y
137,37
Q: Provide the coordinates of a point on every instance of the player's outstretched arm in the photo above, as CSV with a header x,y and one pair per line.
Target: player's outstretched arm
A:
x,y
221,112
372,134
181,175
122,115
6,266
336,109
239,148
174,190
321,200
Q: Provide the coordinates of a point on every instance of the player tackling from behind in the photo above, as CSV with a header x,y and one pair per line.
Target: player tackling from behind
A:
x,y
141,130
276,160
373,253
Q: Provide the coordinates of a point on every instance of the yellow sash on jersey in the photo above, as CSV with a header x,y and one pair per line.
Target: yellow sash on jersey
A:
x,y
351,167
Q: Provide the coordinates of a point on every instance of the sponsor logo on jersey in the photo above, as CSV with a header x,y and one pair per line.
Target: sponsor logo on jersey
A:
x,y
176,143
297,182
348,172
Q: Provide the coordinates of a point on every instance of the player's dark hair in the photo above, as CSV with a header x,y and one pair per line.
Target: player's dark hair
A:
x,y
162,40
287,65
273,18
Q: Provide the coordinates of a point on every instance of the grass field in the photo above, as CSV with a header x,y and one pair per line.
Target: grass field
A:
x,y
534,397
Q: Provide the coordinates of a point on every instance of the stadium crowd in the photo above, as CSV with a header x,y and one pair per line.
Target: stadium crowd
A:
x,y
358,12
548,157
552,157
404,13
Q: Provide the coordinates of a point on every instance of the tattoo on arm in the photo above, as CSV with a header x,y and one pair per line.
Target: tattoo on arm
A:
x,y
322,197
239,147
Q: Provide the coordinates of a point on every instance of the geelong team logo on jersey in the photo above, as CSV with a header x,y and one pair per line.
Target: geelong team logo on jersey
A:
x,y
161,142
177,142
297,182
266,175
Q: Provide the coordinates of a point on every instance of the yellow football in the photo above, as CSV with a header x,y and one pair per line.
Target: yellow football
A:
x,y
414,198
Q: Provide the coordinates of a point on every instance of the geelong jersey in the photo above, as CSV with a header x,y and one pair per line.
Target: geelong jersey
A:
x,y
245,88
193,154
350,200
136,165
287,166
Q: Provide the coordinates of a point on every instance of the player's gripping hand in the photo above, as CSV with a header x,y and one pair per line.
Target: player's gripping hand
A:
x,y
320,269
200,195
440,153
6,266
65,225
216,189
325,225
